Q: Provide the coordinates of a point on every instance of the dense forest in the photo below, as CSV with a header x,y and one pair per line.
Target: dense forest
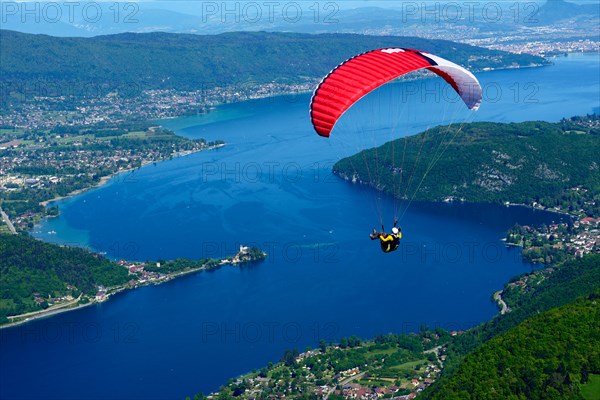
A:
x,y
31,269
489,162
132,61
573,280
545,357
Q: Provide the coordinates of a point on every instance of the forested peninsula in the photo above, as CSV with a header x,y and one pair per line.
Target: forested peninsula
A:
x,y
38,279
542,164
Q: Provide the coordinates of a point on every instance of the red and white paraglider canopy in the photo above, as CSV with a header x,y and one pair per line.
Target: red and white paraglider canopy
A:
x,y
358,76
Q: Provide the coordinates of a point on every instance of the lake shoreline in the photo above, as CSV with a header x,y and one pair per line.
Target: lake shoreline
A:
x,y
236,260
105,179
44,314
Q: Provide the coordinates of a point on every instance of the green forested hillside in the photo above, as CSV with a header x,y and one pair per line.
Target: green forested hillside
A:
x,y
488,162
574,279
545,357
29,266
192,62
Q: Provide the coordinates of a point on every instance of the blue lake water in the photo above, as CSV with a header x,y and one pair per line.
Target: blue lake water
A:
x,y
271,186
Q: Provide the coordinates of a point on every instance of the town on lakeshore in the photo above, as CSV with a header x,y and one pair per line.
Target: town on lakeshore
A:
x,y
555,243
391,366
40,167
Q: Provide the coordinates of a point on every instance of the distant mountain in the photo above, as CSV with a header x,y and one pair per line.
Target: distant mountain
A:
x,y
57,28
109,21
143,19
558,10
192,62
414,18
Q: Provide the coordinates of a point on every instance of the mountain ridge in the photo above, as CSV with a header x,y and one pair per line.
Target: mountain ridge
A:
x,y
161,60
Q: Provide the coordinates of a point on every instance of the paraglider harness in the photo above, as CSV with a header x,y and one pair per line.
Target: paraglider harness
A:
x,y
389,241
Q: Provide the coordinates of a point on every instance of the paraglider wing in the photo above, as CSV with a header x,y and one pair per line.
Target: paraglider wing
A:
x,y
358,76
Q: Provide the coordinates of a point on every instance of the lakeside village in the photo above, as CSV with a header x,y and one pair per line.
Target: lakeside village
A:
x,y
551,245
390,366
53,107
141,274
423,377
556,243
39,167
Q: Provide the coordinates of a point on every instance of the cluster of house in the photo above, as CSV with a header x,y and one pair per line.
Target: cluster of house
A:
x,y
150,104
134,268
585,238
307,354
357,391
588,238
12,183
546,47
526,280
137,269
79,165
349,390
51,300
80,160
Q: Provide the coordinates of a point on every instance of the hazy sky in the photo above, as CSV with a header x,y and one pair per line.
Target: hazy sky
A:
x,y
101,14
194,6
